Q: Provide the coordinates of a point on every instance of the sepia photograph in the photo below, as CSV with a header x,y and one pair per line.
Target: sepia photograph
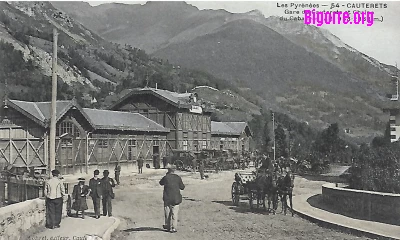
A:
x,y
199,120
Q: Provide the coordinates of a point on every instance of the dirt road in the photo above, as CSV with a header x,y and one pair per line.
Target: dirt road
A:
x,y
207,212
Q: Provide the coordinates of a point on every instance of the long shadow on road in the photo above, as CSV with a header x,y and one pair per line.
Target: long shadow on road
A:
x,y
144,229
243,208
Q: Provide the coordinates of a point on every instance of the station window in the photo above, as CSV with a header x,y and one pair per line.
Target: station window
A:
x,y
68,127
204,144
103,142
185,145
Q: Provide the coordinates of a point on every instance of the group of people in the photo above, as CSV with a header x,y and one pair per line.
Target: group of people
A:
x,y
99,189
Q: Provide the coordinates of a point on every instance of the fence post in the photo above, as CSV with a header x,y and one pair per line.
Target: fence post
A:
x,y
26,189
3,192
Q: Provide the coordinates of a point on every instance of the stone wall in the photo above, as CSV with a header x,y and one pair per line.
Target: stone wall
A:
x,y
16,219
368,205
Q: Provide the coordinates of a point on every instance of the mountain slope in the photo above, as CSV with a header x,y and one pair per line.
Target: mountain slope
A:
x,y
286,76
157,25
300,69
89,68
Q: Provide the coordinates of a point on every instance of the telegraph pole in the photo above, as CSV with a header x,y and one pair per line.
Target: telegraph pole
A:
x,y
273,130
52,160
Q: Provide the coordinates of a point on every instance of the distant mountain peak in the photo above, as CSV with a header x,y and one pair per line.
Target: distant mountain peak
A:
x,y
170,4
256,12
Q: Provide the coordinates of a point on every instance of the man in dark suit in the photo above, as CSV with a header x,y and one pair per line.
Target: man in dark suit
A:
x,y
140,162
96,192
172,198
107,184
117,171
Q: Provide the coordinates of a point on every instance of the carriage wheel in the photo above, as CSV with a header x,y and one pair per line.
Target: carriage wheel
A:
x,y
179,165
235,194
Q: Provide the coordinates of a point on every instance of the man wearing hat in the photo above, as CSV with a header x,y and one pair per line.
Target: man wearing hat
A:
x,y
54,191
107,185
117,171
140,164
79,195
172,198
96,192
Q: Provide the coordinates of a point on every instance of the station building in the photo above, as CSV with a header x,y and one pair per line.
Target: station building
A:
x,y
233,136
187,118
86,139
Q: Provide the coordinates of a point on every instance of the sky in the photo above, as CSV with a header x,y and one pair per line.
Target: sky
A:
x,y
380,41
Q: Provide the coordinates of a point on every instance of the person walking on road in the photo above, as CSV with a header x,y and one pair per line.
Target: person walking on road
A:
x,y
201,168
194,162
165,161
79,194
140,164
107,184
117,171
96,192
54,191
156,161
172,198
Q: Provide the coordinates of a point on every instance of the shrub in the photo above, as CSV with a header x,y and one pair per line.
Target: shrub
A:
x,y
377,169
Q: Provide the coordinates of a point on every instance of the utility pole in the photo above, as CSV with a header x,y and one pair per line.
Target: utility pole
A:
x,y
52,160
289,130
273,130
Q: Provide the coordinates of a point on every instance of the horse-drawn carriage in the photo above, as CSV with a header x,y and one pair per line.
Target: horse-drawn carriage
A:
x,y
258,186
182,159
208,157
223,159
241,189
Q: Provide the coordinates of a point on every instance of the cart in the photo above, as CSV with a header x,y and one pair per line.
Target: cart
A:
x,y
182,159
244,188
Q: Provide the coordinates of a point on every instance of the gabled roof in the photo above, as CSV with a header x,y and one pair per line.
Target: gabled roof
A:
x,y
229,128
98,119
115,120
179,100
40,111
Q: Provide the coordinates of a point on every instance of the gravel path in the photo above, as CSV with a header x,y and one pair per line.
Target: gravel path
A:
x,y
207,212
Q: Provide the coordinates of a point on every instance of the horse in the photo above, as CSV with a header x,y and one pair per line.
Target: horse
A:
x,y
285,187
266,184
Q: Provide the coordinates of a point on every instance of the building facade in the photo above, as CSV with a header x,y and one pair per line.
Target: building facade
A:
x,y
233,136
392,108
186,117
86,139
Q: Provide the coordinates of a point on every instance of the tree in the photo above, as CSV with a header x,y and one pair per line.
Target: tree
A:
x,y
377,169
328,141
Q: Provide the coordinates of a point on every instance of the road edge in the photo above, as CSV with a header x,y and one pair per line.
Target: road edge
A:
x,y
111,229
340,227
